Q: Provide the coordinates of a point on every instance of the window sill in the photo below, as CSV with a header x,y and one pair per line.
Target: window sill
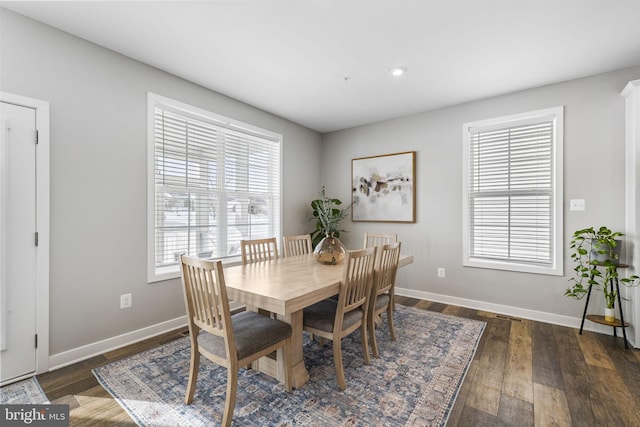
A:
x,y
173,272
512,266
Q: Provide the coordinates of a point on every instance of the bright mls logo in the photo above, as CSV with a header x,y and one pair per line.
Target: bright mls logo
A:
x,y
34,415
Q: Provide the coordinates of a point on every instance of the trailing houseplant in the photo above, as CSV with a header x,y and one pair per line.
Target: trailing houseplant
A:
x,y
596,254
328,215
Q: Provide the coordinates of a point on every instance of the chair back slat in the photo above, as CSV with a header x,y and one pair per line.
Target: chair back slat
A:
x,y
357,278
378,239
386,268
258,250
297,245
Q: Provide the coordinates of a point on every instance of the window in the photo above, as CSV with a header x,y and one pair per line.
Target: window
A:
x,y
512,198
212,182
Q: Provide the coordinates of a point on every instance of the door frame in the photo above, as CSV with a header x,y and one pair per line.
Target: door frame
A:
x,y
42,224
631,93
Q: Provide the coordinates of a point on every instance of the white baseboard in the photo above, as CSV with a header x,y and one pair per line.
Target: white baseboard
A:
x,y
540,316
69,357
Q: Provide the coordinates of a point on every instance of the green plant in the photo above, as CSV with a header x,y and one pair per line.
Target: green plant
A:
x,y
586,245
327,216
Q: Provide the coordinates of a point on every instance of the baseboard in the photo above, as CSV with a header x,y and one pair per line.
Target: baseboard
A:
x,y
69,357
539,316
60,360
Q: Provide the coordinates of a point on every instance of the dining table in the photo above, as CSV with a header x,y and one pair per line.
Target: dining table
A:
x,y
284,287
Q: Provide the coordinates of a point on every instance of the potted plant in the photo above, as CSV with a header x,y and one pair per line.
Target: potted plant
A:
x,y
328,248
596,254
327,216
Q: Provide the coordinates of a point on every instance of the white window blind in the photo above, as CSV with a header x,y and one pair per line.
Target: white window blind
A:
x,y
215,182
511,193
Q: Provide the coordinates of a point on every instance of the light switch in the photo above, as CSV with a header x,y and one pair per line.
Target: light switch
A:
x,y
576,205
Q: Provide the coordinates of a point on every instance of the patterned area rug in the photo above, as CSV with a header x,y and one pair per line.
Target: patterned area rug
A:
x,y
23,392
414,382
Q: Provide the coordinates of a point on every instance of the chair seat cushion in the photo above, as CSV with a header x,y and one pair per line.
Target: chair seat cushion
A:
x,y
322,316
382,301
253,332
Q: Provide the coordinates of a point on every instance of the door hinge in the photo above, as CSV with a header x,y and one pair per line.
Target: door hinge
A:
x,y
36,239
36,340
37,137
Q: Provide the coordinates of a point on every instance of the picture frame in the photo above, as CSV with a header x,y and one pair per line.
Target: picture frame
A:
x,y
383,188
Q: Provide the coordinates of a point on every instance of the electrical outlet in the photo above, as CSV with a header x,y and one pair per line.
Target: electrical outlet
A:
x,y
440,272
125,300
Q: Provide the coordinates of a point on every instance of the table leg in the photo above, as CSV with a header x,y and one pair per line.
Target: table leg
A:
x,y
275,368
299,371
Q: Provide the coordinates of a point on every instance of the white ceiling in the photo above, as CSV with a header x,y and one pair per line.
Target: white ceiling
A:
x,y
325,63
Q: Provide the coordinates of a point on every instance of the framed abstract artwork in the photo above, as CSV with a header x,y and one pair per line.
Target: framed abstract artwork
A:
x,y
383,188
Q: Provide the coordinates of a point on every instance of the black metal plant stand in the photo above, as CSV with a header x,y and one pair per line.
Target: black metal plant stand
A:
x,y
617,323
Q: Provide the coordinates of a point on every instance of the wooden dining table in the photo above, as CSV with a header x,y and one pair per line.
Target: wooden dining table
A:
x,y
286,286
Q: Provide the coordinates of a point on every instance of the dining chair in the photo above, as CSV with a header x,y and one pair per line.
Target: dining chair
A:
x,y
257,250
383,291
333,319
297,245
378,239
228,340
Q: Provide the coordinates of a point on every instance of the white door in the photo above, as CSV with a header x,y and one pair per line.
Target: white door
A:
x,y
17,241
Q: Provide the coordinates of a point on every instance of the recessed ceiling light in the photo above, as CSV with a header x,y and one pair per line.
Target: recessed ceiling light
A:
x,y
397,71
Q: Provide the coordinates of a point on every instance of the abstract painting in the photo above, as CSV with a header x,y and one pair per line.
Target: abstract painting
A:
x,y
383,188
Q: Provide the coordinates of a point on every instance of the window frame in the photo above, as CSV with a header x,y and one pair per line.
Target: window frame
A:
x,y
557,237
156,274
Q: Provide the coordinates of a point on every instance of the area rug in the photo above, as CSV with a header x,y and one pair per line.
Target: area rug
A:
x,y
414,382
23,392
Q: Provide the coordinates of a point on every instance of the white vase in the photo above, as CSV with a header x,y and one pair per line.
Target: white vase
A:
x,y
609,315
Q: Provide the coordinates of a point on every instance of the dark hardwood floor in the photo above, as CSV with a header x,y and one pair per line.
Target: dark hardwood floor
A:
x,y
524,373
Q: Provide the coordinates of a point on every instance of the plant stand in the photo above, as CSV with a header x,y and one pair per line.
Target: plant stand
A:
x,y
617,323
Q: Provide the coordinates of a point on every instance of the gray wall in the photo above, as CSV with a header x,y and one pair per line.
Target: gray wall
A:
x,y
594,147
98,175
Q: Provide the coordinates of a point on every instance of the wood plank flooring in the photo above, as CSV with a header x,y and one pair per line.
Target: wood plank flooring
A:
x,y
524,373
